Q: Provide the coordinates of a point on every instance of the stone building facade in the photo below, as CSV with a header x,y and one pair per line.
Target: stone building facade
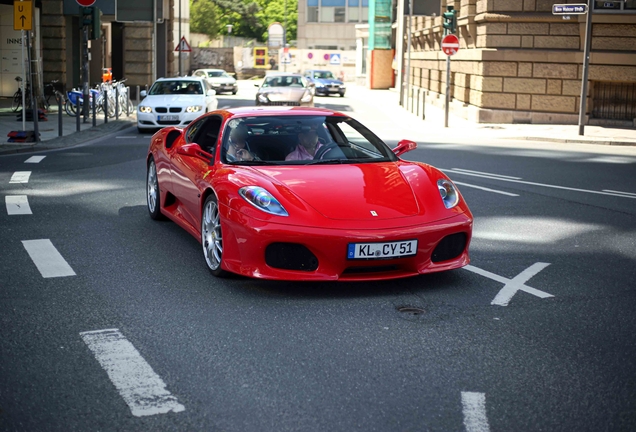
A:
x,y
520,63
125,47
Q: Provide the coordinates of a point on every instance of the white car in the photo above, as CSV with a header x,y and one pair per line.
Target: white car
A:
x,y
218,79
174,102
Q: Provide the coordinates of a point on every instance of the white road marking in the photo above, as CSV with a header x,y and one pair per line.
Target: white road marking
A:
x,y
485,173
34,159
126,136
474,407
619,192
47,259
140,387
17,205
20,177
511,286
539,184
485,189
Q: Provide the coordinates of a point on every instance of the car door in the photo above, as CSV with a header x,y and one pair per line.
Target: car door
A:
x,y
190,167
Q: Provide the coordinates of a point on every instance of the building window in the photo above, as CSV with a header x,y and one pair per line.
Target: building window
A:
x,y
312,13
614,6
326,14
339,14
364,13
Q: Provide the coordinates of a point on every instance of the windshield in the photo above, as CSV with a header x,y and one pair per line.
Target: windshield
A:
x,y
323,75
176,87
216,74
283,81
305,140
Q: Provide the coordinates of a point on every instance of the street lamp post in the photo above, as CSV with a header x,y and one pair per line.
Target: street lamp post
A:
x,y
179,38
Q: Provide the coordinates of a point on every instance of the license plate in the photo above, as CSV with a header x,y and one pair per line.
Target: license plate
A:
x,y
397,249
168,117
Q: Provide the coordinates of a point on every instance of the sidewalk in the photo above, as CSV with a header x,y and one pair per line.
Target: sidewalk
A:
x,y
49,129
385,101
461,129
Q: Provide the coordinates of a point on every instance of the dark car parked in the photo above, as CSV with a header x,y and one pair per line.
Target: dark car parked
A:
x,y
325,82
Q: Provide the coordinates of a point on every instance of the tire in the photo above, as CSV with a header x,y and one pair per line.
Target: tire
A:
x,y
342,94
234,92
17,101
153,193
212,237
70,108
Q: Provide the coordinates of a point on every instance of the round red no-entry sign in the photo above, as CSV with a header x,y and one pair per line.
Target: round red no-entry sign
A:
x,y
450,44
85,3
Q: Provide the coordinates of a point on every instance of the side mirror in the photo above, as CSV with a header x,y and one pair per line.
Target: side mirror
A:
x,y
143,93
211,92
256,85
404,146
195,150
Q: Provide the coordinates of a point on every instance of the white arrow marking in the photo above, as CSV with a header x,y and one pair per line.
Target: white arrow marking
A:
x,y
511,286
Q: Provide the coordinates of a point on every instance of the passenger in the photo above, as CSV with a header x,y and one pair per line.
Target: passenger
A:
x,y
238,148
192,89
308,144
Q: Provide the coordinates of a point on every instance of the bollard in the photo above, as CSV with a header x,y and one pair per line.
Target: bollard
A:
x,y
417,102
424,105
60,129
105,106
117,102
94,106
77,112
412,90
137,96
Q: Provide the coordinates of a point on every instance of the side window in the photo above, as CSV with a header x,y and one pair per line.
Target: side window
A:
x,y
193,129
206,133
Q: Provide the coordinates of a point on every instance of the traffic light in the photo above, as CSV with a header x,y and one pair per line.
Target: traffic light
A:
x,y
450,20
91,17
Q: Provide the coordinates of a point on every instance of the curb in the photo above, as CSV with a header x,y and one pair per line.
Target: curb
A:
x,y
573,140
69,140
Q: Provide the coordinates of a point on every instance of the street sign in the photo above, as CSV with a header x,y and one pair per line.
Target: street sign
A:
x,y
569,9
22,15
450,44
183,45
334,59
286,58
85,3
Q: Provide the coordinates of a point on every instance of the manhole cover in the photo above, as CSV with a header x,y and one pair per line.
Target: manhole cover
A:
x,y
411,310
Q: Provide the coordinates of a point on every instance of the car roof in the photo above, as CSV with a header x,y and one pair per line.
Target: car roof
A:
x,y
185,78
211,70
283,74
280,111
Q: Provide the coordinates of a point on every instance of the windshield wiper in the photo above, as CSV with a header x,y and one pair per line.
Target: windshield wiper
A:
x,y
328,162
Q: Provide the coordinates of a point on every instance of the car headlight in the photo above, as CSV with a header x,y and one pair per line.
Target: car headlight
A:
x,y
342,86
194,108
320,85
145,109
306,97
262,200
448,192
263,98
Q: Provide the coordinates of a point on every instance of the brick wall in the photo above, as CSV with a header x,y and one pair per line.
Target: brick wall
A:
x,y
517,60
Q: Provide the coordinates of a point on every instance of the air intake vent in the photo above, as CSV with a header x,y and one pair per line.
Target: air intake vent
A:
x,y
290,256
450,247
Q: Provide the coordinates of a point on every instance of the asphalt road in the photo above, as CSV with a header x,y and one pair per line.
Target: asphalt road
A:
x,y
538,334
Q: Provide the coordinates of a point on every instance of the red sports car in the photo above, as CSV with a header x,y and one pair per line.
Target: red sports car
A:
x,y
305,194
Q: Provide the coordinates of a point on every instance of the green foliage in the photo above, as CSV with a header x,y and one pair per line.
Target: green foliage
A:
x,y
248,18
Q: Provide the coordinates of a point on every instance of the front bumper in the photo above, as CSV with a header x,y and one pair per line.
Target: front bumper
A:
x,y
152,121
225,88
325,91
246,240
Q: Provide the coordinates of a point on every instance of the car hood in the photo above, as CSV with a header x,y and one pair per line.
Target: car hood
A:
x,y
275,94
173,100
325,81
222,80
350,192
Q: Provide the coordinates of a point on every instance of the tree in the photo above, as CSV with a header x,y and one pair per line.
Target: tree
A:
x,y
203,18
274,11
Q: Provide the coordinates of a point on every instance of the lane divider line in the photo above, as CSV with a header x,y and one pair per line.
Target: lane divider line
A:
x,y
486,189
485,173
141,388
47,259
619,192
34,159
20,177
474,408
17,205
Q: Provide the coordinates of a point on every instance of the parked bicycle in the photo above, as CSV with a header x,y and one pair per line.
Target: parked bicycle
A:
x,y
16,103
50,90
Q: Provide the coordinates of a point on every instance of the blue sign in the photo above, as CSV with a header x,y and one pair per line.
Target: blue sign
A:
x,y
334,59
569,9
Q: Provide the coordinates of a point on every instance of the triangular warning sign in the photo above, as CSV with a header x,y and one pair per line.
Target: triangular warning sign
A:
x,y
183,46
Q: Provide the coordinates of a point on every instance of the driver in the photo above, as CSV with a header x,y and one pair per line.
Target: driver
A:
x,y
308,144
238,149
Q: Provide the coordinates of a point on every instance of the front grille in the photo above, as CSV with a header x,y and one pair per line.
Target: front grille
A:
x,y
175,109
290,256
333,86
161,109
283,103
370,269
165,109
450,247
168,122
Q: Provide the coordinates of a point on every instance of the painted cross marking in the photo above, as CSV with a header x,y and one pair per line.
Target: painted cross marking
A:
x,y
511,286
